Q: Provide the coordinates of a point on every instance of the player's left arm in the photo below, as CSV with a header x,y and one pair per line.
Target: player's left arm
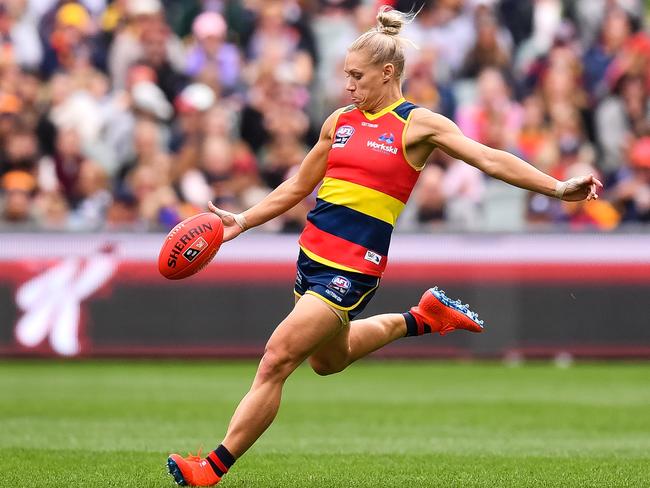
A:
x,y
286,195
445,134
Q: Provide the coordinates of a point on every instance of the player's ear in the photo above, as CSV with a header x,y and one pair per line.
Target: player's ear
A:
x,y
388,72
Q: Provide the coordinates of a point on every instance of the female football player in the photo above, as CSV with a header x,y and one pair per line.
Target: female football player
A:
x,y
368,158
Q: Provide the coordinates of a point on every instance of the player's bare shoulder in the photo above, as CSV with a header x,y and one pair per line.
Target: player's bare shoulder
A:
x,y
427,127
327,130
426,123
423,127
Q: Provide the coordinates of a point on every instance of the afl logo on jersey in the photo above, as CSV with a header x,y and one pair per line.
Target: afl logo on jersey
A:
x,y
343,135
387,137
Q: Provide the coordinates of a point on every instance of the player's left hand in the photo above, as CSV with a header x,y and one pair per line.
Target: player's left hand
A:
x,y
579,188
233,224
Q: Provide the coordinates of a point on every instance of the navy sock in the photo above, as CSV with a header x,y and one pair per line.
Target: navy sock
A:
x,y
411,325
415,327
220,460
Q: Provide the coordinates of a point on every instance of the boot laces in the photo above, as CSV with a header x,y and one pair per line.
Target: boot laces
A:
x,y
195,457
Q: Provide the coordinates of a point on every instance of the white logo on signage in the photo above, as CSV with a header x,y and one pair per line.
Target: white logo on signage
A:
x,y
373,257
375,146
51,302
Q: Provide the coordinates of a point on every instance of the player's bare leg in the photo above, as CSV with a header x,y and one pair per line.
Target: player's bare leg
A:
x,y
357,340
434,313
308,326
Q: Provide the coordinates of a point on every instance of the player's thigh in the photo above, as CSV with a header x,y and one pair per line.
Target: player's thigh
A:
x,y
310,324
332,354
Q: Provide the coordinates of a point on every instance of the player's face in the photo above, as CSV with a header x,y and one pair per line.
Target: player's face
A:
x,y
364,80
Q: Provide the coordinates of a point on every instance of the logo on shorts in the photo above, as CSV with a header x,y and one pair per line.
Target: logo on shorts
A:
x,y
343,135
340,284
195,249
373,257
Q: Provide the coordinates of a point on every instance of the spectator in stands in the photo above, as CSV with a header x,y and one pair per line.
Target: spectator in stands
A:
x,y
534,137
145,36
632,194
192,104
155,199
94,197
622,116
489,50
430,197
615,32
71,44
423,88
448,27
20,152
149,151
211,59
19,40
279,47
61,171
17,197
495,117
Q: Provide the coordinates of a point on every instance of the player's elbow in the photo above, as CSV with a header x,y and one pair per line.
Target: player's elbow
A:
x,y
489,162
301,189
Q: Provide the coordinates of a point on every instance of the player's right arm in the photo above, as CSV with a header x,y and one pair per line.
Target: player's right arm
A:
x,y
289,193
441,132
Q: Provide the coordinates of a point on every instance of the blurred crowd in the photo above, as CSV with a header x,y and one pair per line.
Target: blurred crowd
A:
x,y
132,114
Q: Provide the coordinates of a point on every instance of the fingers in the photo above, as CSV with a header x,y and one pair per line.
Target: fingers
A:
x,y
226,217
216,210
594,184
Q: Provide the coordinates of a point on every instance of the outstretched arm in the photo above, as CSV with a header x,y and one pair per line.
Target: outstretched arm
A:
x,y
288,194
507,167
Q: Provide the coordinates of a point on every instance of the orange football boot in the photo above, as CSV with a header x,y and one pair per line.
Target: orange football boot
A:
x,y
191,471
442,314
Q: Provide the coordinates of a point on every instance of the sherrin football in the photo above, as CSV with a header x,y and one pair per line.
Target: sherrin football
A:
x,y
190,246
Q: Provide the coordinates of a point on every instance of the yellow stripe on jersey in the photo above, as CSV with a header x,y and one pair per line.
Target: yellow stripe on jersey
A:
x,y
326,262
362,199
384,111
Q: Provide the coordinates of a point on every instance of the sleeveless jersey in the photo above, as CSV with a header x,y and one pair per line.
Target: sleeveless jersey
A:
x,y
367,183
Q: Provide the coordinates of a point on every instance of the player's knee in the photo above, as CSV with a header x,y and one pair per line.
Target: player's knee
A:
x,y
325,367
275,366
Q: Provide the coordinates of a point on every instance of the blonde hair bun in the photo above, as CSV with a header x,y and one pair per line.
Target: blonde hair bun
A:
x,y
389,21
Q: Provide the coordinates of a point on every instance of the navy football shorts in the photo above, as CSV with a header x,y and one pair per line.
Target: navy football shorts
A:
x,y
346,292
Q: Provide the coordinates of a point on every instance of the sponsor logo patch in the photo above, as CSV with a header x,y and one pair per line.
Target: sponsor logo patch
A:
x,y
340,284
368,124
343,135
381,147
387,137
373,257
195,249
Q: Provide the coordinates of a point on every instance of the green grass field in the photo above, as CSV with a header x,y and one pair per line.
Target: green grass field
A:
x,y
100,424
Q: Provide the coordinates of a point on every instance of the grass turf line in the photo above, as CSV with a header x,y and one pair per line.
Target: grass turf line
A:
x,y
377,424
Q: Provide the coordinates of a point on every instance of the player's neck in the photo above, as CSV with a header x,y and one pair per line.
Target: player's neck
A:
x,y
385,100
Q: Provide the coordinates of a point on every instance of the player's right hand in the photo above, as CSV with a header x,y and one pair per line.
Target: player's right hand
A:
x,y
578,188
233,224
